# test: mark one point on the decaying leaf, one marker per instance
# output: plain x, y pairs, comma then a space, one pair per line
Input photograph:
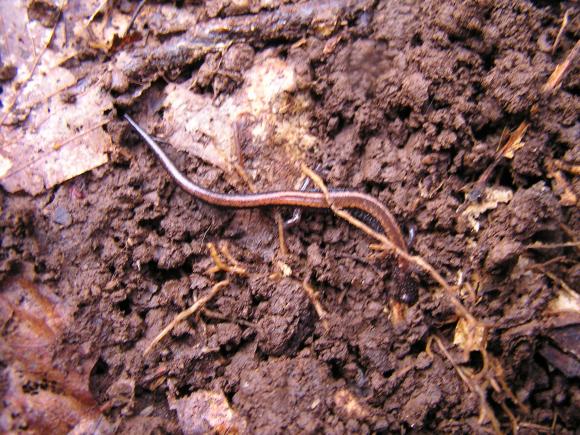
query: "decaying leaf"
262, 106
102, 34
491, 198
470, 336
42, 395
207, 412
514, 142
58, 141
562, 347
560, 185
45, 139
346, 402
568, 364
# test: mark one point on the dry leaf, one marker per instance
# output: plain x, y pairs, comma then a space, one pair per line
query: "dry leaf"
59, 141
102, 34
209, 131
24, 45
514, 142
45, 141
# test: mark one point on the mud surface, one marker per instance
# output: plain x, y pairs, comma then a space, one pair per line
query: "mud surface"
407, 101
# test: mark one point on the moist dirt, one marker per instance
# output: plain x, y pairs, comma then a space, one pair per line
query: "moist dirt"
407, 101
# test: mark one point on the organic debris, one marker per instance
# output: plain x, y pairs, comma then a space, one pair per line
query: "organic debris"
46, 384
491, 198
206, 412
561, 70
409, 102
62, 137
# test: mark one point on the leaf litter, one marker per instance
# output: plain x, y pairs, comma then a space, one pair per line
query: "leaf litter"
64, 137
363, 367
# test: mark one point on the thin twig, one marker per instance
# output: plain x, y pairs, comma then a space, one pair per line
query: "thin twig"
542, 266
186, 313
485, 409
560, 282
561, 31
419, 261
536, 427
281, 236
136, 13
569, 231
539, 245
561, 70
312, 295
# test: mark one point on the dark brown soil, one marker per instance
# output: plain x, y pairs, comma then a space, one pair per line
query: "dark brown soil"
410, 102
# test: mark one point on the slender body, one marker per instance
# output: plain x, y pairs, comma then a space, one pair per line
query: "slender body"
405, 286
341, 199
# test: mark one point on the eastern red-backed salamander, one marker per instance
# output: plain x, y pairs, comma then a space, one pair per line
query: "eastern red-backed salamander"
407, 291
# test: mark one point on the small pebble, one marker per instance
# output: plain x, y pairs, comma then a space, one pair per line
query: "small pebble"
62, 216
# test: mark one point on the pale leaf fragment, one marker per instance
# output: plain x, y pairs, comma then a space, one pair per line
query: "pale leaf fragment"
59, 142
345, 401
492, 197
268, 98
5, 165
514, 142
470, 336
206, 412
285, 269
565, 301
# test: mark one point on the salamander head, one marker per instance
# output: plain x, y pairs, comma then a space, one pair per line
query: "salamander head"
404, 285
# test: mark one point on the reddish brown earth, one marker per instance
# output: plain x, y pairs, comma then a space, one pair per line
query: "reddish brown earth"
411, 100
